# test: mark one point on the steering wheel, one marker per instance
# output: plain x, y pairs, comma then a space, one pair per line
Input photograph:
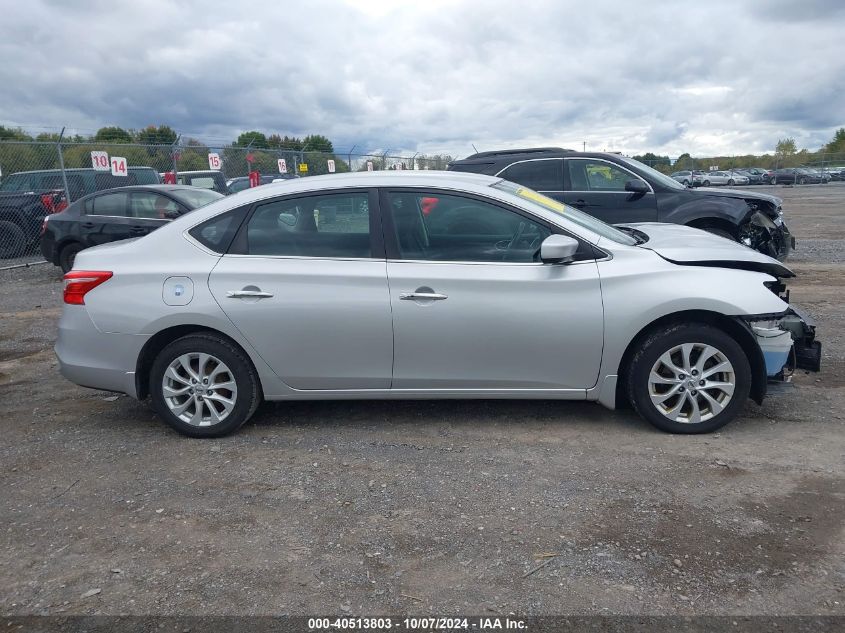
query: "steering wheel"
514, 240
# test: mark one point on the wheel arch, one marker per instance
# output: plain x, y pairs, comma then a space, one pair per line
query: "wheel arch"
163, 338
734, 327
714, 223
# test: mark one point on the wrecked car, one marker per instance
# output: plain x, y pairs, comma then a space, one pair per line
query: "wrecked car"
616, 189
449, 286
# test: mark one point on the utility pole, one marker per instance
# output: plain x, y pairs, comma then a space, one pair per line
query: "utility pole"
62, 165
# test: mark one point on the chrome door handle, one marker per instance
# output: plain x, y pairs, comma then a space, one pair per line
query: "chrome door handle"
255, 294
430, 296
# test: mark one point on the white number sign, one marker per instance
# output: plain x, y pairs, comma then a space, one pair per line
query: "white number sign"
100, 161
330, 164
283, 166
369, 165
118, 166
213, 161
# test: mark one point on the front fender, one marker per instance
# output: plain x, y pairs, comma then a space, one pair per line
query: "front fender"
732, 210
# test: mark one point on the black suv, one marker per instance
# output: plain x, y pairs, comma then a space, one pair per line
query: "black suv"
618, 189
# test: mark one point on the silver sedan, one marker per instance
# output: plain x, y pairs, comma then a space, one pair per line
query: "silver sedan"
426, 285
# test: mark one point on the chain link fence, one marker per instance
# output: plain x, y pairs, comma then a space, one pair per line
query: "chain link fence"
38, 178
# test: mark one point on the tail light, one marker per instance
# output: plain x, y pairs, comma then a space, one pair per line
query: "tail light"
79, 282
44, 225
54, 202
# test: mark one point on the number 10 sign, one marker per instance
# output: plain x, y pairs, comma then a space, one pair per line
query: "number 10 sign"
100, 161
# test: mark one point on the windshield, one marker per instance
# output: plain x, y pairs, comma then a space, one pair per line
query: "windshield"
598, 227
652, 173
194, 198
15, 182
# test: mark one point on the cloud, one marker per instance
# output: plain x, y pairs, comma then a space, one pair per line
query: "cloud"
434, 76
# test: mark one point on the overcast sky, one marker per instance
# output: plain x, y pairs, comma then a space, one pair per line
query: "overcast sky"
706, 77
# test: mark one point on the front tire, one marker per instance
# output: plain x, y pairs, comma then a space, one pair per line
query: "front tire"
202, 385
689, 378
731, 183
706, 183
802, 181
773, 181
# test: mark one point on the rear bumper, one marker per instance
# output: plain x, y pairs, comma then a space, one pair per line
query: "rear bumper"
95, 359
48, 248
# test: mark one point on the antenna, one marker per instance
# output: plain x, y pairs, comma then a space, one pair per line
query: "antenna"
474, 147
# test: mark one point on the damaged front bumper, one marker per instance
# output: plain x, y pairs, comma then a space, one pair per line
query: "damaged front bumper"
787, 341
768, 236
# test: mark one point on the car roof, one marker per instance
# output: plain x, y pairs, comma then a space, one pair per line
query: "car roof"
131, 188
204, 172
75, 169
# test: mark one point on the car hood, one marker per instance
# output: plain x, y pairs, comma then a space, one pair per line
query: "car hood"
734, 193
695, 247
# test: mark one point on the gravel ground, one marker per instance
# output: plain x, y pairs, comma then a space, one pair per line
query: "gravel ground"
424, 507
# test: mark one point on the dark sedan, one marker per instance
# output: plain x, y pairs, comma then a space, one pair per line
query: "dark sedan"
116, 214
794, 176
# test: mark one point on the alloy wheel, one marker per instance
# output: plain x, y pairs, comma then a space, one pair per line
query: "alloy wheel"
199, 389
691, 383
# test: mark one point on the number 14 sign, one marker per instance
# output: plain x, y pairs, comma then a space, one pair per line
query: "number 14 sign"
118, 166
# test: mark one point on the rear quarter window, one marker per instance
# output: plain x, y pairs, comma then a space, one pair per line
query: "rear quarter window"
217, 233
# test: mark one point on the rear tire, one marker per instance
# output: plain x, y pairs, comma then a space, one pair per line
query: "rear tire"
706, 183
67, 256
773, 181
202, 385
12, 240
731, 183
666, 375
802, 181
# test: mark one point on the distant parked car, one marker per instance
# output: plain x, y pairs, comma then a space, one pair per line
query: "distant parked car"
739, 177
765, 174
204, 179
794, 176
688, 178
80, 182
234, 185
116, 214
753, 179
723, 178
823, 176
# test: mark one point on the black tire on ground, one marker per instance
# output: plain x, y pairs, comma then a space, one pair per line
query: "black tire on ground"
67, 256
731, 182
248, 395
773, 181
12, 240
706, 183
661, 341
802, 181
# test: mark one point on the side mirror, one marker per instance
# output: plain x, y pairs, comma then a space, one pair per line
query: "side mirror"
636, 186
287, 218
558, 249
171, 215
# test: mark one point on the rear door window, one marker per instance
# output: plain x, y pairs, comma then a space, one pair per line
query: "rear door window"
539, 175
152, 206
332, 225
110, 204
